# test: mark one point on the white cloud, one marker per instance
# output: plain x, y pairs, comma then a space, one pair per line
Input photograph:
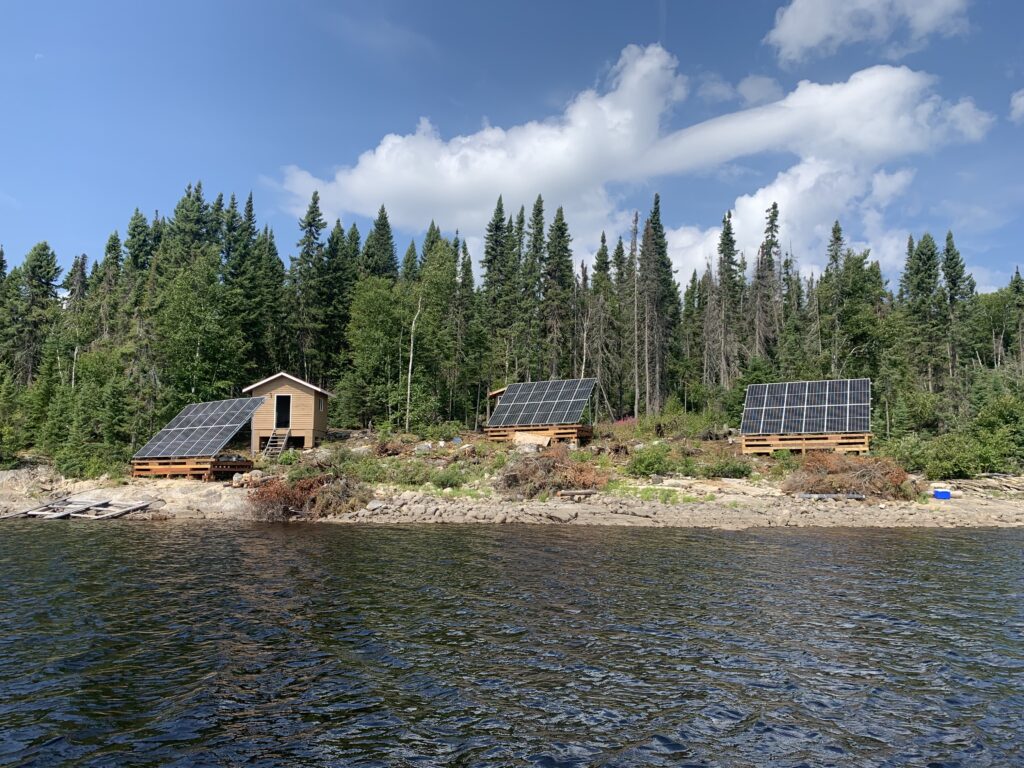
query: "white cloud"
807, 27
758, 89
714, 89
841, 136
1017, 106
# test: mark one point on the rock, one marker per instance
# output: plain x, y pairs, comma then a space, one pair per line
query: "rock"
656, 479
374, 504
446, 492
423, 448
562, 515
362, 450
527, 448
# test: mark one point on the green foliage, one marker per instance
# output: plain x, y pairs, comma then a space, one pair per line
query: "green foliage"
650, 460
289, 457
196, 305
954, 456
727, 466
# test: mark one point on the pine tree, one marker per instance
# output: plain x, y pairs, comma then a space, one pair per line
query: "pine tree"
410, 263
556, 295
307, 278
766, 291
958, 290
729, 295
530, 292
36, 309
923, 303
379, 257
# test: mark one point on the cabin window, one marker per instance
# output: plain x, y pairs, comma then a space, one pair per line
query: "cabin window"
321, 405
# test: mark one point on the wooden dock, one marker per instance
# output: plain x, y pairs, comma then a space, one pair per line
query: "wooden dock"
843, 442
82, 509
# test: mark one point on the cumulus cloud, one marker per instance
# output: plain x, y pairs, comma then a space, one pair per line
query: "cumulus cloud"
714, 89
759, 89
806, 27
842, 136
1017, 106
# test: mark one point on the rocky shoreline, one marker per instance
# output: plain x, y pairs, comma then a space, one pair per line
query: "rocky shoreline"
724, 504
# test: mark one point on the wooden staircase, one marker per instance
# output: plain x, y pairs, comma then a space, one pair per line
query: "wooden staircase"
276, 443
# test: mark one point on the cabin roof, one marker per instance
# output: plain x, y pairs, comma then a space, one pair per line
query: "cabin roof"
497, 392
295, 379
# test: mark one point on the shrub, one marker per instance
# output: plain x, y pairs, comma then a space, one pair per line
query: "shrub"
954, 456
446, 430
650, 460
449, 477
910, 452
288, 458
727, 466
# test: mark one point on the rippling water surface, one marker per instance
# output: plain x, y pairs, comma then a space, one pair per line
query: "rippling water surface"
194, 644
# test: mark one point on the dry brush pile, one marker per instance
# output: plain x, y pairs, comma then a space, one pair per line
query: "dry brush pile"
553, 470
839, 473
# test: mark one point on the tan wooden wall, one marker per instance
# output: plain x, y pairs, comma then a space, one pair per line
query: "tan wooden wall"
308, 420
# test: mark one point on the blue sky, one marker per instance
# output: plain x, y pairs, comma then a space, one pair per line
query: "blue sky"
894, 116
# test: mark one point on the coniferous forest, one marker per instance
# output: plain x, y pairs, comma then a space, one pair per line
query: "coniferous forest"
199, 304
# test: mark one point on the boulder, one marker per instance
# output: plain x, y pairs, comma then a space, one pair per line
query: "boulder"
562, 515
374, 504
362, 450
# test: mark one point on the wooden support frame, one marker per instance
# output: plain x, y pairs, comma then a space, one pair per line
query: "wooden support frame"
857, 442
195, 468
557, 432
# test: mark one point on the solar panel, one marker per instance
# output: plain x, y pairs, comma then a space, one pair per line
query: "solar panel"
200, 429
539, 403
807, 407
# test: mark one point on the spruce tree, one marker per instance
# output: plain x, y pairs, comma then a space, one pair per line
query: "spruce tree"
958, 289
307, 280
556, 296
379, 257
410, 263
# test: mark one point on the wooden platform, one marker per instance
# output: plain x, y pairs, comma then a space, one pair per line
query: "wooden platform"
557, 432
859, 442
85, 509
201, 468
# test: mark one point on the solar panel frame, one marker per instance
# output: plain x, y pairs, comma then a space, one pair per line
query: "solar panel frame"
807, 407
200, 429
542, 403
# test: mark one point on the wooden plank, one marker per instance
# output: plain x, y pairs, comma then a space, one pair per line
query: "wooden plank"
116, 512
838, 442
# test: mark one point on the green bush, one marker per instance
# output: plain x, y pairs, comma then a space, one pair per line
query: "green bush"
954, 456
910, 452
409, 473
288, 458
446, 430
650, 460
449, 477
727, 466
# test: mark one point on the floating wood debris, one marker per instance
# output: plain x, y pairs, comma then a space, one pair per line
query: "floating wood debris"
83, 509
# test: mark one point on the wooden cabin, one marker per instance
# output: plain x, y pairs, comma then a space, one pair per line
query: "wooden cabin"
294, 414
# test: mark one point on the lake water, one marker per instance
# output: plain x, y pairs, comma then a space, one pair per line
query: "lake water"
198, 644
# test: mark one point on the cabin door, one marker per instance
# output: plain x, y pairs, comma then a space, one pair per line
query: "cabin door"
283, 412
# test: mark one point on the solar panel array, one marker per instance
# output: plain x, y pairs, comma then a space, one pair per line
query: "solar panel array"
807, 407
538, 403
201, 429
